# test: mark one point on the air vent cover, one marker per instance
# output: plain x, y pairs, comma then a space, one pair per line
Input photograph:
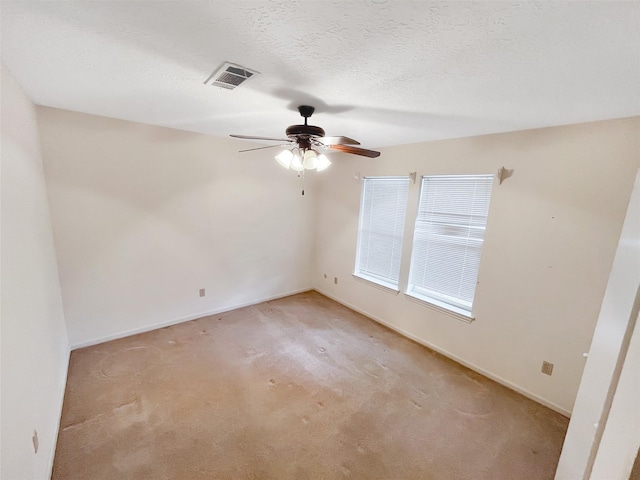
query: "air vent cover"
230, 76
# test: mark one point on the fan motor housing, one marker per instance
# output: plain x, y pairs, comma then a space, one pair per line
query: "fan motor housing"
310, 130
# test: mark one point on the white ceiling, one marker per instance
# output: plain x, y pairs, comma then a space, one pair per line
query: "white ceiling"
384, 72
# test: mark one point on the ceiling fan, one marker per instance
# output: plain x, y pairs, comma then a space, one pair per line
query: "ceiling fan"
306, 144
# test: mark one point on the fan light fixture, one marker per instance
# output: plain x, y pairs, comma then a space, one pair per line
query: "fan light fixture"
304, 140
310, 160
302, 143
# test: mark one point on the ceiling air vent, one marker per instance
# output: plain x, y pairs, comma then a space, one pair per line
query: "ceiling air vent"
230, 76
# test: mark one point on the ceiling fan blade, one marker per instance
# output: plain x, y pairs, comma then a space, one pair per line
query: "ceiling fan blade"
249, 137
259, 148
339, 140
355, 150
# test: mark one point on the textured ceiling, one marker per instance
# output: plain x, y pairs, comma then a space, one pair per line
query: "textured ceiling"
384, 72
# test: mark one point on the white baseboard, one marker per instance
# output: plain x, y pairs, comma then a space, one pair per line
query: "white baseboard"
453, 357
155, 326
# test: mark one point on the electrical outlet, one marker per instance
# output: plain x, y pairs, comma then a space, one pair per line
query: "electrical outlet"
36, 442
547, 368
202, 293
335, 280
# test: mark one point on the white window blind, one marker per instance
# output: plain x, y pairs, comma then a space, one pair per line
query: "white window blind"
448, 238
381, 229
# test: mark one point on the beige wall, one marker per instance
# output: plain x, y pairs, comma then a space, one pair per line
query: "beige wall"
34, 345
551, 236
145, 216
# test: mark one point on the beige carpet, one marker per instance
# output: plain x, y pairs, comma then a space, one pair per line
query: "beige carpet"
297, 388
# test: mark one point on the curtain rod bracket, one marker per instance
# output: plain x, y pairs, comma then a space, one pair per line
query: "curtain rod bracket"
502, 174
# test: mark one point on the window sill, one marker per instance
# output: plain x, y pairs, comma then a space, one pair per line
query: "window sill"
442, 307
387, 288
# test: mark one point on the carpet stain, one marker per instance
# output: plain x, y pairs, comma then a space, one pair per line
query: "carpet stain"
464, 395
129, 361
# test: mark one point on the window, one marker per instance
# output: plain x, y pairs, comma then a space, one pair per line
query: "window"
381, 229
448, 238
